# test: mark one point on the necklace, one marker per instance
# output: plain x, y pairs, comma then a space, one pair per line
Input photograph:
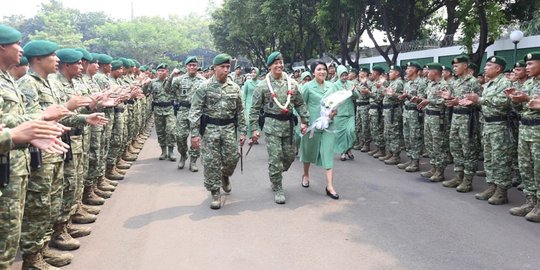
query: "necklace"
284, 109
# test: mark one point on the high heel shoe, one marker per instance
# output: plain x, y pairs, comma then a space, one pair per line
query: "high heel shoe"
333, 196
350, 156
307, 183
343, 157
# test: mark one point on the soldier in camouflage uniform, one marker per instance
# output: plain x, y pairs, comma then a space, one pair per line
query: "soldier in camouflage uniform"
463, 135
238, 77
529, 139
376, 127
435, 123
163, 113
392, 114
520, 77
278, 95
412, 122
216, 118
182, 88
362, 112
496, 136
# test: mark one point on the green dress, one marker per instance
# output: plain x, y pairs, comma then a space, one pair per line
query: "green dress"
344, 121
247, 99
319, 148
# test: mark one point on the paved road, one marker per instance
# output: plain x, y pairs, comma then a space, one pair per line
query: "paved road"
386, 219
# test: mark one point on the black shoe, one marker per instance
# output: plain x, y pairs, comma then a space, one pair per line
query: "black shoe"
333, 196
343, 157
306, 185
350, 156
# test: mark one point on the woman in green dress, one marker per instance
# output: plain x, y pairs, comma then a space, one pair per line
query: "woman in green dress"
317, 147
247, 94
344, 122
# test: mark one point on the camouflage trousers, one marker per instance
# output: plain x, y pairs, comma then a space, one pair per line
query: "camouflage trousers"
73, 184
434, 136
376, 127
463, 145
281, 155
392, 129
165, 129
95, 156
497, 154
11, 213
362, 124
42, 206
412, 134
182, 134
220, 156
529, 166
116, 140
105, 145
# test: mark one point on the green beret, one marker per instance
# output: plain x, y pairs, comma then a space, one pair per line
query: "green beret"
105, 59
341, 69
69, 56
460, 59
378, 69
446, 68
221, 58
366, 70
305, 74
273, 57
532, 56
162, 66
36, 48
116, 64
473, 66
86, 55
153, 71
24, 61
354, 70
414, 64
137, 63
395, 67
9, 35
238, 67
131, 63
95, 58
143, 68
498, 60
435, 66
125, 62
520, 63
190, 59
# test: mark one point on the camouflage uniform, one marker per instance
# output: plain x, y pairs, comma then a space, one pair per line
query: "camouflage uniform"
118, 136
183, 89
219, 145
412, 122
376, 123
163, 112
362, 115
103, 82
435, 125
392, 113
278, 136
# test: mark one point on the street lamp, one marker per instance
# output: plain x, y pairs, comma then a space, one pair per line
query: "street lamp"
516, 37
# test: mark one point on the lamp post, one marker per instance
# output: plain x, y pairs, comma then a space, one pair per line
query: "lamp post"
516, 37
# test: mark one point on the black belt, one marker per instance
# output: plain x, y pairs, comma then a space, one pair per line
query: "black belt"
430, 112
162, 104
462, 111
372, 106
390, 106
220, 122
411, 108
530, 122
362, 103
76, 132
118, 110
492, 119
184, 104
130, 101
280, 117
293, 121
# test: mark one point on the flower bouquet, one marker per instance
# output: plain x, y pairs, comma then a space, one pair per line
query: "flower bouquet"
328, 104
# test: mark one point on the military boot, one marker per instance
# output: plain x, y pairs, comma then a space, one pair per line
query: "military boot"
279, 194
101, 193
55, 258
499, 197
36, 261
82, 217
193, 164
102, 184
381, 152
454, 182
90, 198
534, 215
77, 231
119, 171
405, 164
172, 157
414, 166
112, 174
61, 239
94, 210
357, 146
110, 182
226, 184
466, 184
372, 152
122, 164
134, 150
486, 194
216, 200
182, 162
365, 148
428, 174
385, 157
438, 176
523, 210
394, 160
130, 157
